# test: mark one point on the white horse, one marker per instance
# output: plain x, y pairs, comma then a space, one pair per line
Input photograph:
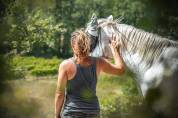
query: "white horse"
153, 59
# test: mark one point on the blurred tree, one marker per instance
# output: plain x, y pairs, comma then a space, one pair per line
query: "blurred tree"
32, 29
4, 59
166, 17
38, 26
63, 11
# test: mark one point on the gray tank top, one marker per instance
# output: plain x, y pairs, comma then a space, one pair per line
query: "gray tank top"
81, 91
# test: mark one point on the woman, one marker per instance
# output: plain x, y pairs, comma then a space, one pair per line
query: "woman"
78, 77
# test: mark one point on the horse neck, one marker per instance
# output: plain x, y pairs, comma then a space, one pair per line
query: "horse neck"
139, 48
133, 62
174, 43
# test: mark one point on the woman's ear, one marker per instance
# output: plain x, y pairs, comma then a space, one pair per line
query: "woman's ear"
110, 18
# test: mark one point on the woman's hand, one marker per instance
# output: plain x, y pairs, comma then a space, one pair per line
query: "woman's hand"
118, 67
113, 43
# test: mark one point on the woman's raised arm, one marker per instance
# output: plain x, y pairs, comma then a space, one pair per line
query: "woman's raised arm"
118, 67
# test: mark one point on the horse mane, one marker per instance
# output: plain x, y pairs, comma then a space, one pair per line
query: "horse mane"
148, 45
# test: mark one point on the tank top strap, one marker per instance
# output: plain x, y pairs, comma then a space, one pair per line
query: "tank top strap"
94, 59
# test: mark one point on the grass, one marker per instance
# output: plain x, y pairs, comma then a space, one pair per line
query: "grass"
115, 97
29, 99
32, 66
34, 98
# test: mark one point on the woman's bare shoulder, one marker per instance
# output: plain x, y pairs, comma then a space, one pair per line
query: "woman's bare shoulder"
67, 63
69, 67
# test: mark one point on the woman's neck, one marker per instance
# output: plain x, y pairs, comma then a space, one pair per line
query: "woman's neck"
83, 60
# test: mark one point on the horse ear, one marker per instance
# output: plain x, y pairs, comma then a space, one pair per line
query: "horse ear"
110, 18
93, 16
92, 26
94, 19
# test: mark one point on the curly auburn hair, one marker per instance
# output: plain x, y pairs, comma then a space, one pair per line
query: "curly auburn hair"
80, 43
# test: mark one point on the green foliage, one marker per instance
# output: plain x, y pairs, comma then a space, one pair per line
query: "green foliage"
43, 28
32, 31
44, 72
32, 66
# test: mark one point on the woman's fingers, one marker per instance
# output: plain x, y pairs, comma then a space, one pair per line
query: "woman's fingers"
114, 37
114, 41
111, 39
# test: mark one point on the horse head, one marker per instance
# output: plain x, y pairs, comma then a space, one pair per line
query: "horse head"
100, 32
